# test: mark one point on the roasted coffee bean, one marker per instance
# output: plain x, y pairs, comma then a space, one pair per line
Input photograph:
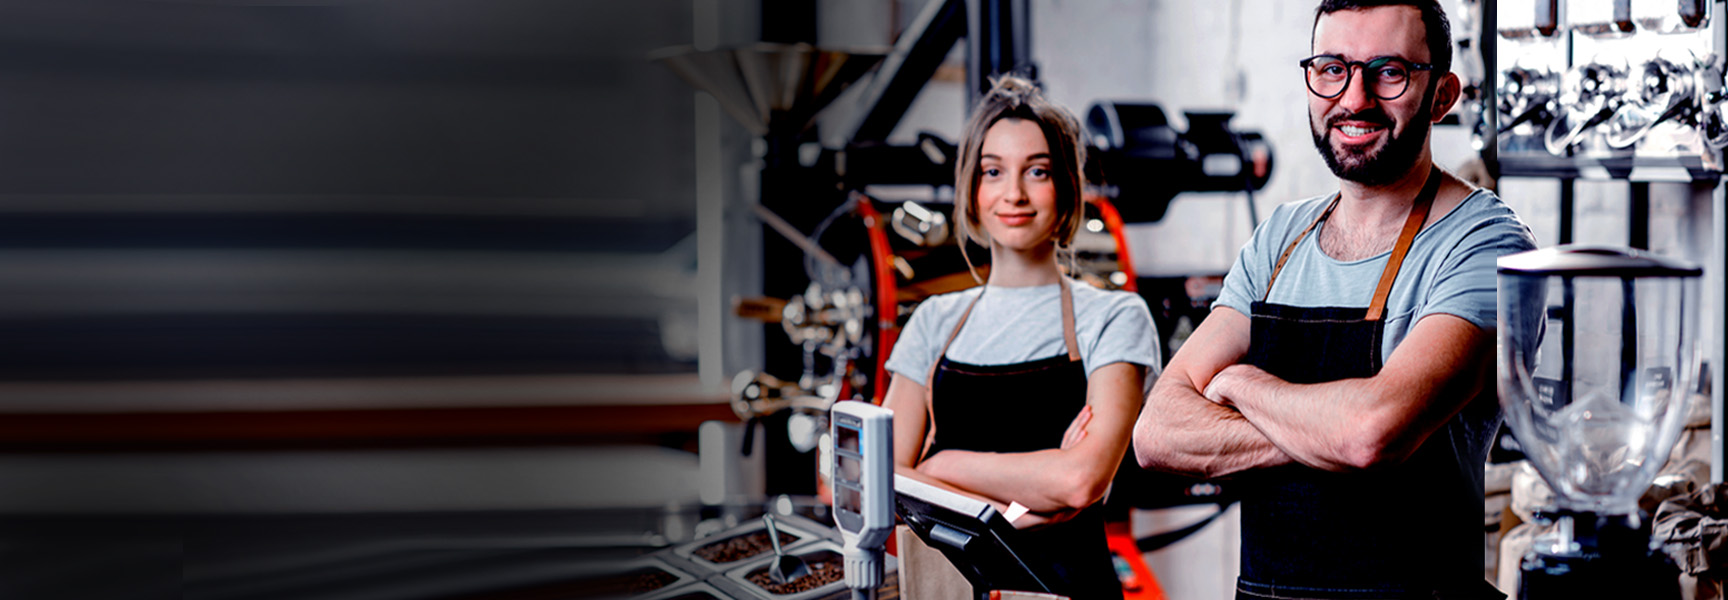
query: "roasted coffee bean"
738, 548
825, 568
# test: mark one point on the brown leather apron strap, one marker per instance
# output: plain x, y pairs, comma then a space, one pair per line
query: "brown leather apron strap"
1292, 247
930, 380
1412, 226
1069, 338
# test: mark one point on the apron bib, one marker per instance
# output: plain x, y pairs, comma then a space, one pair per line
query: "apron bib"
1405, 531
1024, 407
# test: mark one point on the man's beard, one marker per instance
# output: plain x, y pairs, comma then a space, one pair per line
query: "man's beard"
1375, 166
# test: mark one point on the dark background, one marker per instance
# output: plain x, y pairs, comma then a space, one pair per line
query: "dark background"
149, 148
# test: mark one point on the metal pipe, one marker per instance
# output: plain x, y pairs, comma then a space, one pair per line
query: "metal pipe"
915, 58
1638, 216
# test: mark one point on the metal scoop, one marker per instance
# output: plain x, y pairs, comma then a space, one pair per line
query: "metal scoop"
786, 568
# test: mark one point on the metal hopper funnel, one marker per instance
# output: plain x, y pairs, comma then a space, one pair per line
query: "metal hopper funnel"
770, 88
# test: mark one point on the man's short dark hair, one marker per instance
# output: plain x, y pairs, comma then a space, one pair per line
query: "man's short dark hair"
1436, 27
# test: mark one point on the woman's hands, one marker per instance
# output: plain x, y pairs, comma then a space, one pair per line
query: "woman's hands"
1077, 428
1072, 437
1075, 434
1054, 483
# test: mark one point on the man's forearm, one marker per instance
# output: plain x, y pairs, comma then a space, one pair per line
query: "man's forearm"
1182, 432
1315, 424
1362, 423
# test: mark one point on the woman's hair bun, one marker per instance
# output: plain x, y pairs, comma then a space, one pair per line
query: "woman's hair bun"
1015, 89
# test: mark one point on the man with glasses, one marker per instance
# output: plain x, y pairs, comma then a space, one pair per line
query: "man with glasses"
1343, 376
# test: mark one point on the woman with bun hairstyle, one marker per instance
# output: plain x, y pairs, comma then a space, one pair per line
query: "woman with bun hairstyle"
1024, 390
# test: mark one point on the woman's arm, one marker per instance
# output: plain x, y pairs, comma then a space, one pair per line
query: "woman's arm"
907, 399
1062, 479
911, 411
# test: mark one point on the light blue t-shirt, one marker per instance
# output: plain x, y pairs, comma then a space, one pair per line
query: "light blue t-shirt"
1020, 324
1448, 270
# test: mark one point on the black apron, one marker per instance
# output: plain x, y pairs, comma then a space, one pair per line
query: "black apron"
1413, 530
1025, 407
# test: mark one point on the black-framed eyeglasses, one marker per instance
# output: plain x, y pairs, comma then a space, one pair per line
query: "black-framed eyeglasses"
1387, 77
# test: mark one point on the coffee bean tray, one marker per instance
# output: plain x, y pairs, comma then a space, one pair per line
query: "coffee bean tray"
749, 541
825, 579
647, 575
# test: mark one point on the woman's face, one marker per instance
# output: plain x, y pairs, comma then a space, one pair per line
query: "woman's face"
1016, 193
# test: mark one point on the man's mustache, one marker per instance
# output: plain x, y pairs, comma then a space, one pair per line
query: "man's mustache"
1373, 116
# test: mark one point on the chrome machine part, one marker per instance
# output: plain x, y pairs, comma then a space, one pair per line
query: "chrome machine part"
1527, 96
1589, 95
1712, 97
1663, 89
919, 225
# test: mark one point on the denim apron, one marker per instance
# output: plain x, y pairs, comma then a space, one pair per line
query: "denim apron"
1413, 530
1025, 407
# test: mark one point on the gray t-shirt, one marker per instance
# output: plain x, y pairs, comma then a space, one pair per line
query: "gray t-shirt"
1449, 269
1020, 324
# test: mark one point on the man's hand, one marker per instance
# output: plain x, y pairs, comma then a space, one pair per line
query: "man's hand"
1228, 383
